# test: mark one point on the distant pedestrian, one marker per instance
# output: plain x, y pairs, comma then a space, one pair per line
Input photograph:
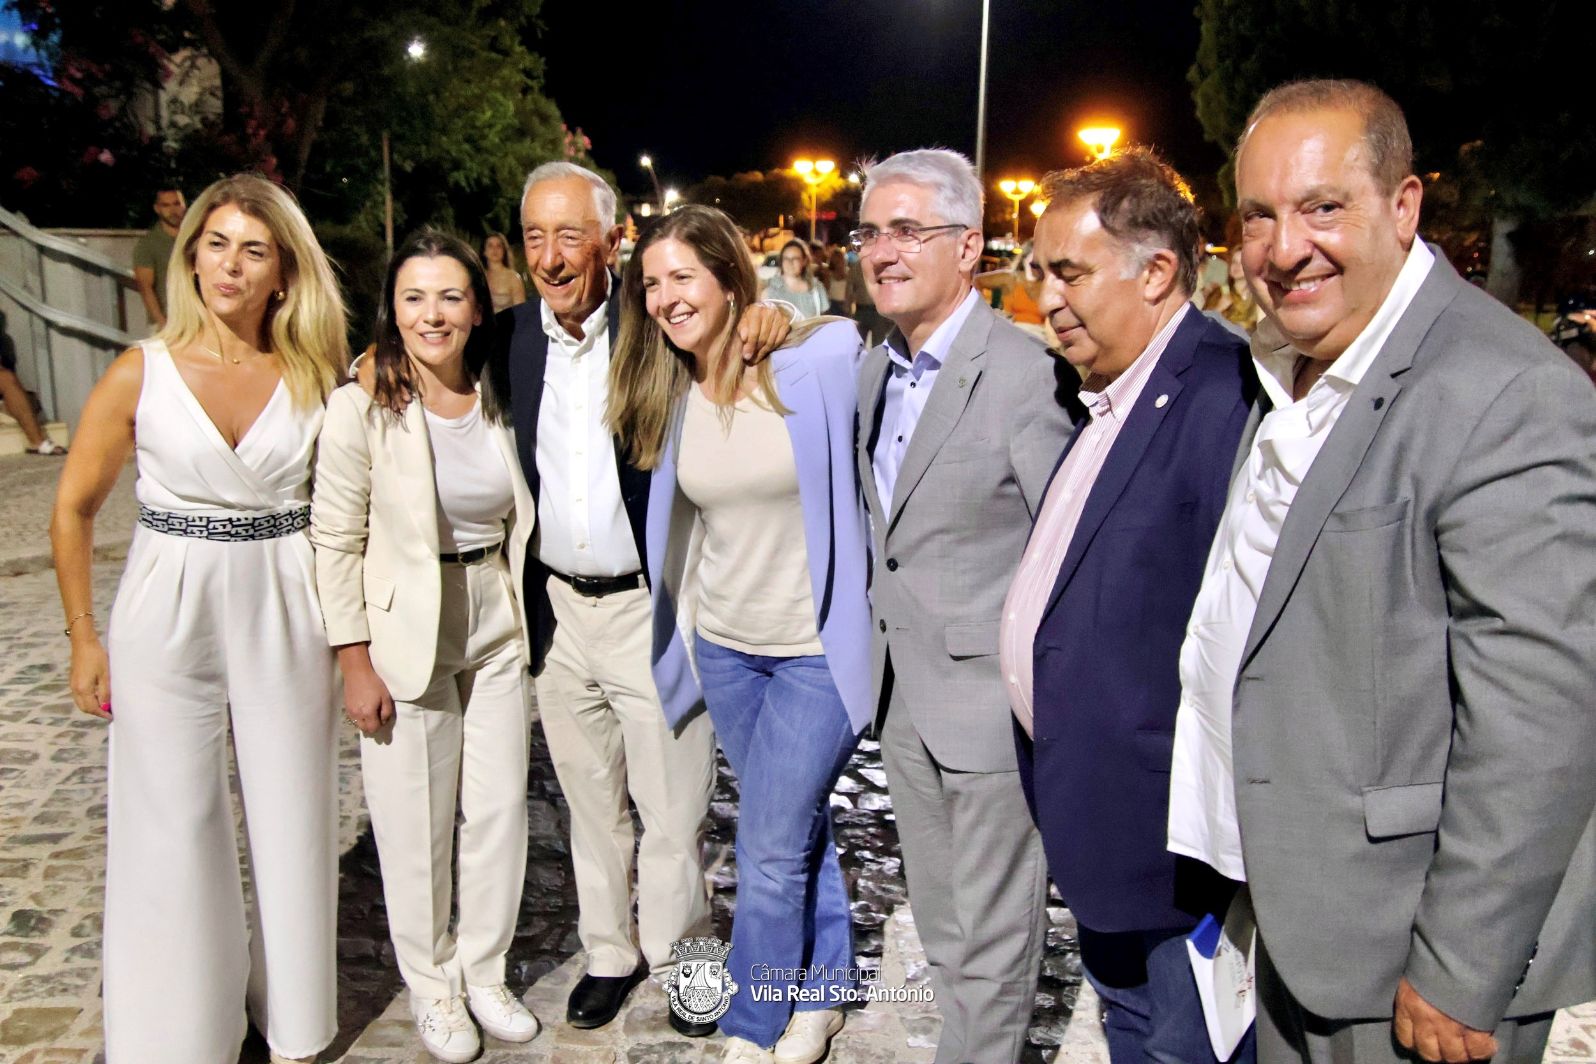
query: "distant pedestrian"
797, 282
153, 253
504, 280
18, 401
215, 628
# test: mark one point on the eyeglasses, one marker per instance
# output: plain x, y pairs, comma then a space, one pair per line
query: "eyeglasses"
904, 237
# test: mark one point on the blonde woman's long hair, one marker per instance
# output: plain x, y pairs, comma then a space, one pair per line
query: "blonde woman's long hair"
648, 374
306, 329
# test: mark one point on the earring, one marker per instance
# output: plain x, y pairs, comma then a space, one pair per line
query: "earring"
280, 294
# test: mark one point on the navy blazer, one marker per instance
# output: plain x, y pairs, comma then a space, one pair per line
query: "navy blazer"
517, 372
1106, 656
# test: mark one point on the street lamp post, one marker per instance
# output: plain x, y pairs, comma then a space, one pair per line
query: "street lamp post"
646, 161
813, 171
1016, 189
1100, 139
980, 99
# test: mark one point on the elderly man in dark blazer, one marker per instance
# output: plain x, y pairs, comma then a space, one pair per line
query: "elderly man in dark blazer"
1386, 726
1094, 621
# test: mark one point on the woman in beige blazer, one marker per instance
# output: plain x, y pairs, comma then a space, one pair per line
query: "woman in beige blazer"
420, 521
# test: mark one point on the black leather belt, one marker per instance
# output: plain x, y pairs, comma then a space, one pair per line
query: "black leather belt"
470, 557
599, 586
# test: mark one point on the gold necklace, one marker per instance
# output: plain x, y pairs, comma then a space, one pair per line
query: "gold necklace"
234, 359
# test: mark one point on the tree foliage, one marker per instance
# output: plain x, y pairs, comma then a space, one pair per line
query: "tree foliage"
308, 91
1486, 73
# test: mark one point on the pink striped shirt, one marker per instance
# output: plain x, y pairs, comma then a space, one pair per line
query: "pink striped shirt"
1061, 512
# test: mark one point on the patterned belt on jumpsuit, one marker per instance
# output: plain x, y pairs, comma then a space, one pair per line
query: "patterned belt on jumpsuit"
226, 529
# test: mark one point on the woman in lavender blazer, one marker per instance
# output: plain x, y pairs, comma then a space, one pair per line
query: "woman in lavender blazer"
757, 561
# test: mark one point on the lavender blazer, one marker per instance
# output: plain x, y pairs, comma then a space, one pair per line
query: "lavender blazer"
817, 382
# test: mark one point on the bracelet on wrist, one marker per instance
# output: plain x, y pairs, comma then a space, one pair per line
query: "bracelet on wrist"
67, 631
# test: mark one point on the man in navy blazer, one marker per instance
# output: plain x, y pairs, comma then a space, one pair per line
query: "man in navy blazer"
1094, 621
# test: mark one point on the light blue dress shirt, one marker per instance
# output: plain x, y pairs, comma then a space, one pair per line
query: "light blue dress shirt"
909, 384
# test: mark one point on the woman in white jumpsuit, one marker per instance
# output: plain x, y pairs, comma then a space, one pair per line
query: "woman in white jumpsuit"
215, 626
420, 523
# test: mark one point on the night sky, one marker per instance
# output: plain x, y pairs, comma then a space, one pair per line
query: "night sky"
721, 86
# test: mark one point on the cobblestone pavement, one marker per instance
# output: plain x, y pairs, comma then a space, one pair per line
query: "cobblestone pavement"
52, 818
52, 828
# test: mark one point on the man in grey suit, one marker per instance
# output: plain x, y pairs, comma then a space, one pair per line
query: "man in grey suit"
1390, 664
960, 424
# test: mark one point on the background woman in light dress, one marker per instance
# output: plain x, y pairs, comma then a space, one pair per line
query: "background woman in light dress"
420, 521
504, 280
215, 627
797, 282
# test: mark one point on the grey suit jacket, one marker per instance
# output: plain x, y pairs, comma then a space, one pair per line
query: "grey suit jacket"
970, 484
1415, 714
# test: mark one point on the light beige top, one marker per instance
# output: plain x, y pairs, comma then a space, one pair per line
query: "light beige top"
754, 572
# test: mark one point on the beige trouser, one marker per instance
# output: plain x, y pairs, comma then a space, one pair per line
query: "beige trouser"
466, 738
608, 737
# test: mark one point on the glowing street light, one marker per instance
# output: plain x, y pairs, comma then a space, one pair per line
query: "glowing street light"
671, 196
416, 49
1100, 139
813, 171
1038, 208
1016, 189
646, 161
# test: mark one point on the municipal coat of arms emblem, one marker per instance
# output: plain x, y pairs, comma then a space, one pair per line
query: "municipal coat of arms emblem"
700, 989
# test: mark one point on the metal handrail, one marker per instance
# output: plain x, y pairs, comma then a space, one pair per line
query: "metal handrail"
41, 239
65, 320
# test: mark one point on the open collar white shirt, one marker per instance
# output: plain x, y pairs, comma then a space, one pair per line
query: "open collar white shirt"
1202, 795
582, 526
909, 384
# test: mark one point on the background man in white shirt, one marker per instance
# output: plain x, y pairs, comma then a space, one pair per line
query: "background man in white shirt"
1396, 632
588, 608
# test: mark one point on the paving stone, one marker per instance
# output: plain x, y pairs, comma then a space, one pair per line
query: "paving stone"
29, 1026
30, 923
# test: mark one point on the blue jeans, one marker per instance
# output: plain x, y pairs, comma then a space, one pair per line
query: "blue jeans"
1152, 1014
787, 736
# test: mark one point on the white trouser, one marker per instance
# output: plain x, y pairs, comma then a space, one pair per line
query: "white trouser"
204, 635
608, 737
465, 739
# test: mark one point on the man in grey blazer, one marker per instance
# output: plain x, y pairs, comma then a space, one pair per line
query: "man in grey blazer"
1396, 633
961, 421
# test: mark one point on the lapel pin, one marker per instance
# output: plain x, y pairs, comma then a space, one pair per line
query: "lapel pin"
1161, 402
1379, 402
961, 382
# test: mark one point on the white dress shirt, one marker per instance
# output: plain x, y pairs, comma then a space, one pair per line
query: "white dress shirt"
909, 384
1202, 789
582, 527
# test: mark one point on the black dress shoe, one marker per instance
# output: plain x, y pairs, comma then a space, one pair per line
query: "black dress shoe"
597, 998
689, 1028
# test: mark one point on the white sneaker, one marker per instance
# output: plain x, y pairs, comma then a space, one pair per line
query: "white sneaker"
742, 1051
445, 1029
501, 1014
808, 1036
